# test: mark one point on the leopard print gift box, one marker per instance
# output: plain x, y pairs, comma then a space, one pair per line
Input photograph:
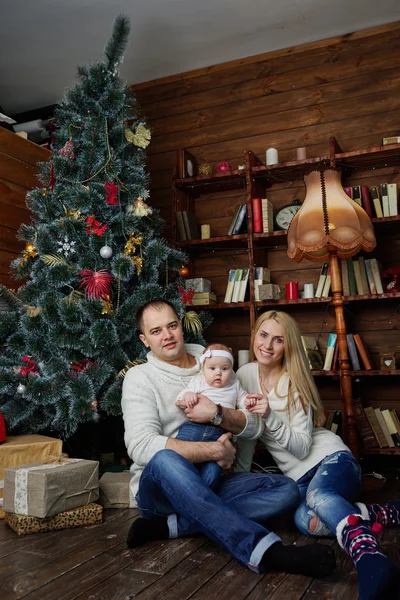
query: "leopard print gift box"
89, 514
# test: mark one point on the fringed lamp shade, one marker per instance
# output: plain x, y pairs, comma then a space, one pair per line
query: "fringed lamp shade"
328, 221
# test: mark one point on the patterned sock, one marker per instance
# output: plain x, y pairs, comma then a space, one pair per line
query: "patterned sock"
378, 577
381, 515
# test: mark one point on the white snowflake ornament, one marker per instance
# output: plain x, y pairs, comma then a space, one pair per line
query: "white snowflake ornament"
66, 247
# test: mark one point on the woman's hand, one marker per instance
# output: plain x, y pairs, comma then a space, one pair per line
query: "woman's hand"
256, 403
202, 412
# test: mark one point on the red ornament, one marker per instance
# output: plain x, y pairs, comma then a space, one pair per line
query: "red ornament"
52, 179
223, 167
2, 429
186, 295
94, 227
112, 192
97, 283
80, 366
184, 272
31, 367
67, 151
393, 273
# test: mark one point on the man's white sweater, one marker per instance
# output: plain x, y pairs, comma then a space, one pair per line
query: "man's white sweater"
150, 416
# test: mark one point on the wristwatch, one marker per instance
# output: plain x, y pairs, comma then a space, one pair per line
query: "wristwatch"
218, 417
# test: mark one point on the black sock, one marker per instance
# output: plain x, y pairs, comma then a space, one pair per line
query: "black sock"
145, 530
313, 560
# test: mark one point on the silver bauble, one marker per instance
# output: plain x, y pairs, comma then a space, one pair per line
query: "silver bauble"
106, 252
21, 389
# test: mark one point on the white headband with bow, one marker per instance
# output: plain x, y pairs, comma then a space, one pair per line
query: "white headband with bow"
209, 353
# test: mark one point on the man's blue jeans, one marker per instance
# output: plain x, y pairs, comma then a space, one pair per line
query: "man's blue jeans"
232, 515
328, 491
203, 432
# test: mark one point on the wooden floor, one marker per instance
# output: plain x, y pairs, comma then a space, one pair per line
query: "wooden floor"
94, 563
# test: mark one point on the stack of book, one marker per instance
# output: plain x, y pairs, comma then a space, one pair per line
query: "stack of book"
324, 282
361, 276
379, 201
237, 285
238, 222
377, 427
263, 221
359, 356
187, 226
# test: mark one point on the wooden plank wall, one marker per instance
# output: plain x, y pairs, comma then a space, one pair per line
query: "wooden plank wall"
18, 159
348, 86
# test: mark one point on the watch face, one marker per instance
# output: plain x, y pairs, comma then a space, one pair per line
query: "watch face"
285, 215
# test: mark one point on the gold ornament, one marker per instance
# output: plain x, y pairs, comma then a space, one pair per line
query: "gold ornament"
140, 208
205, 169
141, 137
108, 308
74, 214
184, 272
29, 252
138, 260
95, 405
130, 246
192, 323
86, 188
32, 311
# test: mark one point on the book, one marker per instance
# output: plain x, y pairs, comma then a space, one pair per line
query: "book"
336, 425
321, 280
257, 215
395, 420
357, 275
355, 363
374, 191
335, 360
377, 275
392, 194
363, 351
357, 194
352, 279
366, 201
191, 227
267, 215
391, 427
363, 274
261, 275
363, 425
230, 285
385, 200
370, 276
349, 191
329, 419
243, 285
314, 356
233, 219
180, 226
327, 285
236, 287
391, 140
382, 423
345, 277
376, 428
241, 221
330, 350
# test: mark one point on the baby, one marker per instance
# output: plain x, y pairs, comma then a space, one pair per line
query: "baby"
217, 381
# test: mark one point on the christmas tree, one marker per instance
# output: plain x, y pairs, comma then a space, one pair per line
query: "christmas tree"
93, 256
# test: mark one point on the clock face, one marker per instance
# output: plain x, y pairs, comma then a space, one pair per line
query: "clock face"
285, 215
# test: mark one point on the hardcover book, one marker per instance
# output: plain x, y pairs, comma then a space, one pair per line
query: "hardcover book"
366, 201
330, 350
321, 280
385, 200
352, 279
236, 287
382, 423
241, 222
370, 276
345, 277
310, 346
180, 226
355, 363
363, 275
376, 428
363, 425
392, 194
357, 194
234, 217
363, 351
374, 191
391, 427
191, 227
257, 215
230, 285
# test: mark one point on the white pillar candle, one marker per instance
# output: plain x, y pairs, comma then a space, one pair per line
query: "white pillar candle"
301, 153
271, 156
308, 290
243, 357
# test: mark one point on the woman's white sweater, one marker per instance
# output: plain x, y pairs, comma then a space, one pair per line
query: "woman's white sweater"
150, 416
293, 442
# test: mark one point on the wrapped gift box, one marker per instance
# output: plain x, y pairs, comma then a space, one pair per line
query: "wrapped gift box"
198, 284
90, 514
24, 449
46, 489
115, 490
269, 291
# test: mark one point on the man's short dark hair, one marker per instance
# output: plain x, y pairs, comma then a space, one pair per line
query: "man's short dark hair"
158, 304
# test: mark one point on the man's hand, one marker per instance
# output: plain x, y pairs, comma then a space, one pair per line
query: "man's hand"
202, 412
228, 452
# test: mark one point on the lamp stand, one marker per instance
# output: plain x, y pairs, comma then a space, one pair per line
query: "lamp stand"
345, 379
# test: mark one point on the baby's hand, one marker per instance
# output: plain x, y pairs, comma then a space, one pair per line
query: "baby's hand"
255, 403
190, 398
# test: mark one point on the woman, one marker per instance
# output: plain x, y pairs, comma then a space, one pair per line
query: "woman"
328, 475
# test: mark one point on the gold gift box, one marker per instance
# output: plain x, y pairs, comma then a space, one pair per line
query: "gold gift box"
90, 514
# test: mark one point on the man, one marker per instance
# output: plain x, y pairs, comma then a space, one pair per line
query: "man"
171, 496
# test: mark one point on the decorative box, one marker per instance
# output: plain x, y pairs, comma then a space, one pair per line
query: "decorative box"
198, 284
90, 514
269, 291
46, 489
24, 449
115, 490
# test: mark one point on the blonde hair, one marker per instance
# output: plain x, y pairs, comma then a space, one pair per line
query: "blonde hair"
295, 364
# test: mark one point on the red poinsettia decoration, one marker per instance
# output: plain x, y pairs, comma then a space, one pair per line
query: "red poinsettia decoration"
67, 151
393, 274
52, 178
94, 227
2, 429
97, 283
112, 192
30, 367
186, 295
